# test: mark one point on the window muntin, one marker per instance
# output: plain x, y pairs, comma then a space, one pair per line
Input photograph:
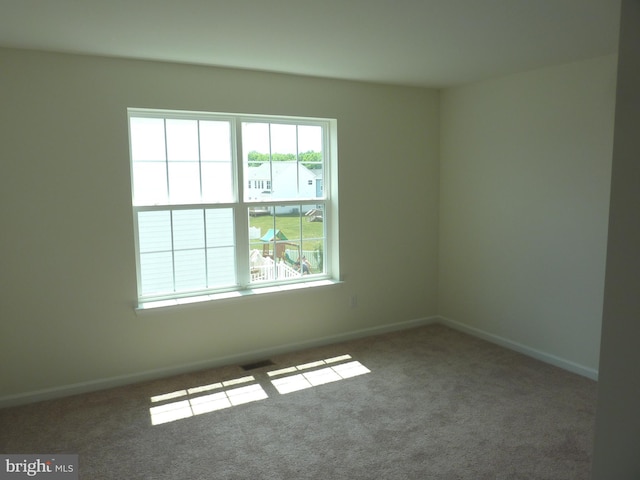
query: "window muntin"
194, 182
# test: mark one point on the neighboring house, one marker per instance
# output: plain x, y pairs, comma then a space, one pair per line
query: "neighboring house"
274, 180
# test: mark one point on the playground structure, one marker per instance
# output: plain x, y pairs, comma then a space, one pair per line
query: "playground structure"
275, 245
275, 260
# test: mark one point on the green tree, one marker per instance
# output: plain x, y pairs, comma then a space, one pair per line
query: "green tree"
311, 160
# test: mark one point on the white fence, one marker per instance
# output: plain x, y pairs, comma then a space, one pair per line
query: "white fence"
271, 271
263, 268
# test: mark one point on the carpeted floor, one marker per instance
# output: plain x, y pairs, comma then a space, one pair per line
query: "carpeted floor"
426, 403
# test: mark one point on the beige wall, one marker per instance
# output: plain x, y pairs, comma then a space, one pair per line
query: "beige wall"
516, 239
67, 276
617, 420
525, 171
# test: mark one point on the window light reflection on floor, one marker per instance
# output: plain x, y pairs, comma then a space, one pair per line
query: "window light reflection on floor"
295, 378
217, 396
198, 405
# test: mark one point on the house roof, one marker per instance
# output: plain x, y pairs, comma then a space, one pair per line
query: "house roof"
266, 171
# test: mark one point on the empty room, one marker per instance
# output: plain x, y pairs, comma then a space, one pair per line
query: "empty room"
342, 239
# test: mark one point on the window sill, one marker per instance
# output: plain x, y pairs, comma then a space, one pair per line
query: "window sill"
164, 305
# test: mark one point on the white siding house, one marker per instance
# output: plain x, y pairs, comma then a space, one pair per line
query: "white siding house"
277, 180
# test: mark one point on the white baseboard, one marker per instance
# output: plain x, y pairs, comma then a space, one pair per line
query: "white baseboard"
246, 357
118, 381
518, 347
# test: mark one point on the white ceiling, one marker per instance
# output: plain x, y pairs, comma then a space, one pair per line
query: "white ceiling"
409, 42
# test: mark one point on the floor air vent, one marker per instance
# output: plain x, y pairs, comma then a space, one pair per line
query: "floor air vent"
260, 364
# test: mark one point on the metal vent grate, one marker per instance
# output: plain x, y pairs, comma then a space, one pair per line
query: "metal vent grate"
260, 364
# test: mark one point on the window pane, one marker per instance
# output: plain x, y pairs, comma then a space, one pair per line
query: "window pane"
255, 138
261, 259
190, 270
156, 273
256, 148
182, 140
221, 263
188, 229
283, 142
313, 238
154, 231
220, 231
311, 158
215, 141
284, 180
287, 242
149, 183
309, 138
217, 182
184, 182
221, 266
147, 139
216, 167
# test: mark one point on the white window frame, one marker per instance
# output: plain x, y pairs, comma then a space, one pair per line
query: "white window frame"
241, 206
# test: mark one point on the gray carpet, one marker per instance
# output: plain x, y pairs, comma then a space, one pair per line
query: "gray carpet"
436, 404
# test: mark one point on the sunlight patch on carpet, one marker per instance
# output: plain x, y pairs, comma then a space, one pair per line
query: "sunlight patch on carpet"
189, 402
196, 405
292, 379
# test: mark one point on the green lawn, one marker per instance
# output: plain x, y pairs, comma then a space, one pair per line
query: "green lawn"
289, 225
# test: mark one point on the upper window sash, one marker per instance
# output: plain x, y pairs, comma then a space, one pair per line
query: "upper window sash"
182, 160
178, 158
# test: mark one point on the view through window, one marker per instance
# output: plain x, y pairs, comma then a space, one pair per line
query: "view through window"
226, 202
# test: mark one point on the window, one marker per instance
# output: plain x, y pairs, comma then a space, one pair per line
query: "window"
198, 231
